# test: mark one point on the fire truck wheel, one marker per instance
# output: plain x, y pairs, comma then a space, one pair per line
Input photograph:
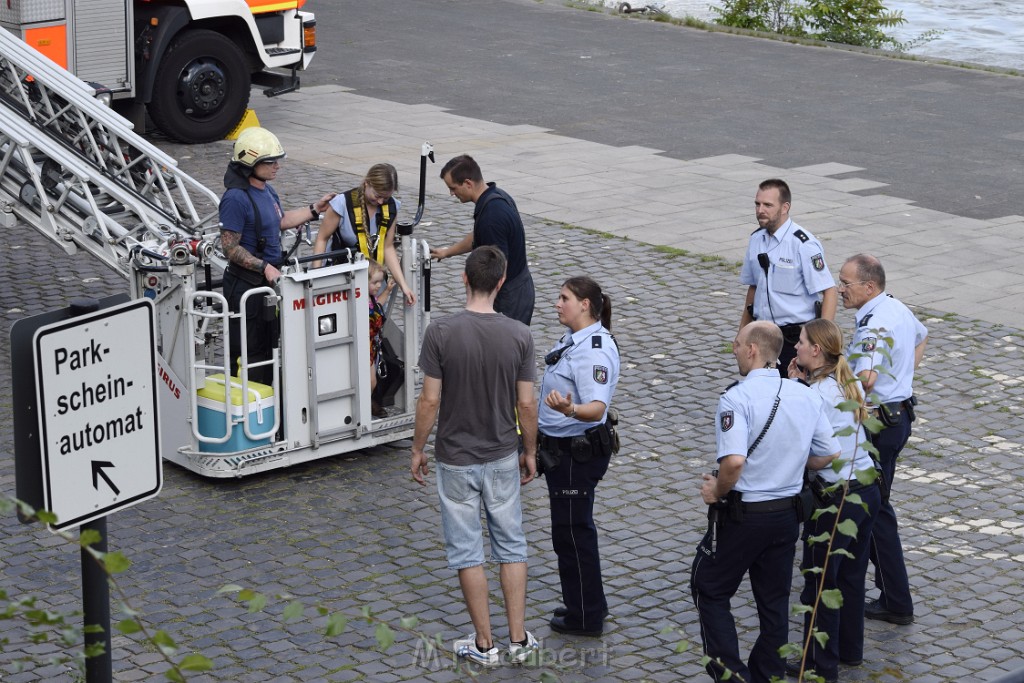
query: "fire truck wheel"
201, 89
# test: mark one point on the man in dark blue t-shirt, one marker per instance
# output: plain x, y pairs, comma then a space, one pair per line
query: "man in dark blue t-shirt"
496, 222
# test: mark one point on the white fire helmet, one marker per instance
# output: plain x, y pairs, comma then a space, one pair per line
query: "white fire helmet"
255, 145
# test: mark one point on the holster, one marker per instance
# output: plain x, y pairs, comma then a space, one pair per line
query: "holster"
547, 460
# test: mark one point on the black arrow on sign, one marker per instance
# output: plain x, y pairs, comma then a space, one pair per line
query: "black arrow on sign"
97, 470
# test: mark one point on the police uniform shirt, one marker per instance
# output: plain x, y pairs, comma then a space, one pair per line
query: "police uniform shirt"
879, 320
236, 215
346, 231
589, 370
800, 427
796, 274
843, 420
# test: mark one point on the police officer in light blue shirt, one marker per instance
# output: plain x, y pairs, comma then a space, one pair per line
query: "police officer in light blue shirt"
886, 349
575, 446
766, 428
785, 270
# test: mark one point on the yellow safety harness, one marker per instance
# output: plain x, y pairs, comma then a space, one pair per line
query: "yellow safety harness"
360, 221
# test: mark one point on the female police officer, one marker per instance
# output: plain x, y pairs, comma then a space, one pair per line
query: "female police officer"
575, 444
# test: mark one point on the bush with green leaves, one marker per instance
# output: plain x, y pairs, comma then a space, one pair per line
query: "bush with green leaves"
852, 22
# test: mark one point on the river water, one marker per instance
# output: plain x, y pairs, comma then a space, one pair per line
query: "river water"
987, 32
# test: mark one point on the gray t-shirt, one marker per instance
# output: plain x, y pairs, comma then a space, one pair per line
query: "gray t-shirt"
478, 357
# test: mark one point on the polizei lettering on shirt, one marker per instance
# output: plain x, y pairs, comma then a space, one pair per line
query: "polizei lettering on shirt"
325, 298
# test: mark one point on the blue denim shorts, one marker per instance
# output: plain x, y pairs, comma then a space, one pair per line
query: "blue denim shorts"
462, 489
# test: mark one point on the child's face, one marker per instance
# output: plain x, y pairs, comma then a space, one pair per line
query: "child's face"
376, 283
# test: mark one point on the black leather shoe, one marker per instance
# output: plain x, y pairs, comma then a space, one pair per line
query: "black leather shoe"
558, 624
874, 610
793, 669
564, 612
851, 662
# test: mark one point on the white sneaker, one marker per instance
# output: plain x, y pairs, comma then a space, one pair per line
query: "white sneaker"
466, 648
520, 654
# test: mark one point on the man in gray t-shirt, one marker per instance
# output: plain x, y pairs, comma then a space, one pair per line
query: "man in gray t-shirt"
485, 363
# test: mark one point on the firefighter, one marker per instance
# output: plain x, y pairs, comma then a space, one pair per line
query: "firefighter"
252, 219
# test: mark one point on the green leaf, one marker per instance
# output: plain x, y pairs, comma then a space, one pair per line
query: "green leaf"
849, 406
229, 588
163, 641
257, 603
246, 594
128, 626
833, 598
847, 527
548, 677
89, 537
46, 517
791, 650
842, 552
866, 477
95, 649
174, 675
294, 610
409, 622
92, 628
682, 646
336, 624
385, 636
116, 562
800, 609
196, 662
873, 424
821, 637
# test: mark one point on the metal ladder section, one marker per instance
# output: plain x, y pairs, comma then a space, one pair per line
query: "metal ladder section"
77, 172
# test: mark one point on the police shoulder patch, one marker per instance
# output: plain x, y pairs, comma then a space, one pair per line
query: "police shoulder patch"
864, 321
595, 342
600, 374
801, 235
731, 386
725, 419
818, 261
869, 344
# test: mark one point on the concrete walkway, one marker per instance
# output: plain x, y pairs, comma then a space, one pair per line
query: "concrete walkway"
705, 206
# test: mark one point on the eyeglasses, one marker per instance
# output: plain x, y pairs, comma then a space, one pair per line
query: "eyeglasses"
556, 355
847, 285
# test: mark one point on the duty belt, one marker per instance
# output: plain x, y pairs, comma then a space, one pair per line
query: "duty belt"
776, 505
554, 443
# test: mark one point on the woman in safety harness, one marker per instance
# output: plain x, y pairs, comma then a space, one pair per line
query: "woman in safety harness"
363, 219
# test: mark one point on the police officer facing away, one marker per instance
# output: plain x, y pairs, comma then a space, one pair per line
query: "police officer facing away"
251, 223
766, 428
885, 351
785, 271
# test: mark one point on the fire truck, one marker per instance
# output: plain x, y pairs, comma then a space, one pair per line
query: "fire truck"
190, 63
77, 173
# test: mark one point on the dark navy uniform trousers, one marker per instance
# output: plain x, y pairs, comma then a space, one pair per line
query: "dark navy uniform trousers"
764, 544
844, 626
886, 548
571, 487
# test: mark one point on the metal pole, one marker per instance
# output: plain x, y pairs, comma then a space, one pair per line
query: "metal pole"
96, 605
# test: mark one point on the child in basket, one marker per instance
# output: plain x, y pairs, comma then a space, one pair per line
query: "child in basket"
379, 292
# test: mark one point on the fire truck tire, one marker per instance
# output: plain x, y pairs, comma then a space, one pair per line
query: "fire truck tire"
201, 89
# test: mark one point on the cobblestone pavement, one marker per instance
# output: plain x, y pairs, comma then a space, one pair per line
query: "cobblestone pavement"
355, 532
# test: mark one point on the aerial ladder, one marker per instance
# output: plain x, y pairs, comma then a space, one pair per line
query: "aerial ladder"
76, 172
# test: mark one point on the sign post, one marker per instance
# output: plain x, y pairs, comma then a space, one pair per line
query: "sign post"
87, 437
97, 398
